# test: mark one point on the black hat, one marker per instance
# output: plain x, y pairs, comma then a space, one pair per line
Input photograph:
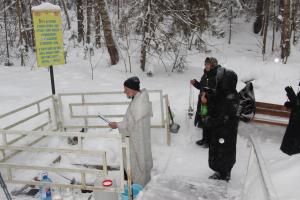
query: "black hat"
133, 83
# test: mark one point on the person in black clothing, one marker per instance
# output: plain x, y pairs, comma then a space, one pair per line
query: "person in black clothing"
222, 101
291, 140
207, 80
224, 120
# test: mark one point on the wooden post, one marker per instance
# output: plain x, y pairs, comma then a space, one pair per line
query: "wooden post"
52, 80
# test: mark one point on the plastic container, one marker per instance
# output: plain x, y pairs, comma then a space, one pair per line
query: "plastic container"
203, 110
105, 195
136, 188
45, 190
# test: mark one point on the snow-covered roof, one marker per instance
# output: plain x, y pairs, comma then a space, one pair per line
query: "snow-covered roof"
46, 7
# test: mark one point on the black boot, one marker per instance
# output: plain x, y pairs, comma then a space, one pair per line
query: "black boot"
215, 176
225, 176
202, 143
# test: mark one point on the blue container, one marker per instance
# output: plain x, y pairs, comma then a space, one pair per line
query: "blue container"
136, 188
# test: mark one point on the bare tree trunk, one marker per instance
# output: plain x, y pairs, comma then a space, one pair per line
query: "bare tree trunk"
274, 24
295, 31
257, 26
89, 9
80, 19
20, 29
230, 18
266, 24
280, 13
263, 17
32, 30
66, 13
127, 46
7, 60
110, 43
145, 34
97, 25
118, 9
293, 20
285, 48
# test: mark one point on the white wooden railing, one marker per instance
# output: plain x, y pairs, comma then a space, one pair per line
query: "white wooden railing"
79, 150
80, 110
39, 115
258, 183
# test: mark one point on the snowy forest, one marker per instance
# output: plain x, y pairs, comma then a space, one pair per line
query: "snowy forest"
159, 29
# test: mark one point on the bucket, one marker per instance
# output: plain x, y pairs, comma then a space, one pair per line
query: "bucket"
136, 188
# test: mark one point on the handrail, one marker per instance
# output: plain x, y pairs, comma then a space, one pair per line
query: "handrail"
268, 188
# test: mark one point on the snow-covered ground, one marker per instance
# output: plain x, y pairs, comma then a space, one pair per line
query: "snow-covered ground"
181, 170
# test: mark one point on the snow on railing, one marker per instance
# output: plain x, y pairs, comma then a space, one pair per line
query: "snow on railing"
62, 151
80, 110
38, 115
258, 183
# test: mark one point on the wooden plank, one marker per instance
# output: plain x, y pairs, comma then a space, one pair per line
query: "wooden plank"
265, 121
270, 109
271, 106
278, 113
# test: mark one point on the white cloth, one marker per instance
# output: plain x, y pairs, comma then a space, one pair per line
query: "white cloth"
136, 125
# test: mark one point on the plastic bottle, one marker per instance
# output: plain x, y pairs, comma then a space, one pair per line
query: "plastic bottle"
203, 109
45, 190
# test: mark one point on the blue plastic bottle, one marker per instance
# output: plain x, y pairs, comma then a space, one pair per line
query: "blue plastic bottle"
45, 191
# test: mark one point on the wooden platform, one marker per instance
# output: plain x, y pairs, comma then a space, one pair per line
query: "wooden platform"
272, 114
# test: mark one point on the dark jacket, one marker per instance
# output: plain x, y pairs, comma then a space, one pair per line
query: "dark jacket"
208, 80
224, 122
291, 140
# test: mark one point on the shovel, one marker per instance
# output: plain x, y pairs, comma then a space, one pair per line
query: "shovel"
173, 126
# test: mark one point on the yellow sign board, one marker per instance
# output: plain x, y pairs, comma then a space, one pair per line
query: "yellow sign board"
48, 38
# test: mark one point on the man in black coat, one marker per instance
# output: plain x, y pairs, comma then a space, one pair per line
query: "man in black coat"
222, 148
208, 80
291, 140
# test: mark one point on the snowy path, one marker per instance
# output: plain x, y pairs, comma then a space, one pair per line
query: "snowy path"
173, 188
181, 171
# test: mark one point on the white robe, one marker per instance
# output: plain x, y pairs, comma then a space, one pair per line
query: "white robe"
136, 125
